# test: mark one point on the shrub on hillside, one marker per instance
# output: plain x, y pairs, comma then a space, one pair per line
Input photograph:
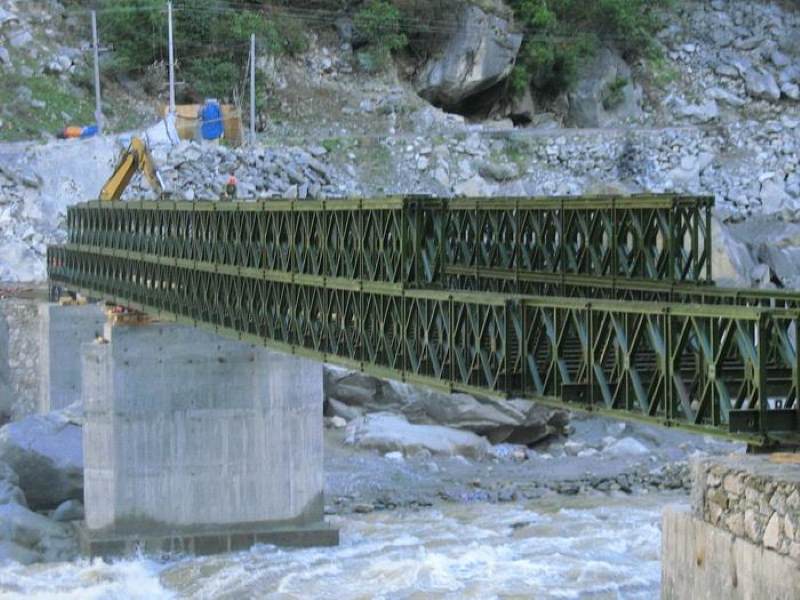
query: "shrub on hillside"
379, 21
211, 40
559, 34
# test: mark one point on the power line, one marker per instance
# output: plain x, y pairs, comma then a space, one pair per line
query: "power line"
407, 23
430, 25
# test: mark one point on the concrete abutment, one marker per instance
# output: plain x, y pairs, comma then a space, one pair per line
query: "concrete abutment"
195, 443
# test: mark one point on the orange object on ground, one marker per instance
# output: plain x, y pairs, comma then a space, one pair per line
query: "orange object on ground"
72, 131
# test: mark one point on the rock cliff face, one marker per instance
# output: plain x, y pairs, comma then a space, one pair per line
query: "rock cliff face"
716, 115
605, 94
480, 53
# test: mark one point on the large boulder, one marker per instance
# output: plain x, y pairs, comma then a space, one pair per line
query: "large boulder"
605, 93
474, 187
760, 83
43, 538
7, 17
461, 410
46, 453
625, 447
71, 510
11, 552
537, 423
10, 493
773, 196
387, 432
784, 262
354, 389
731, 261
700, 113
479, 55
517, 421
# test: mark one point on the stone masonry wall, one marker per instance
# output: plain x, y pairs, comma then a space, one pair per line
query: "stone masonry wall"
756, 498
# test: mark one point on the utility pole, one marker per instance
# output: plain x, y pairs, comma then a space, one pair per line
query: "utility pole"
171, 61
98, 109
252, 88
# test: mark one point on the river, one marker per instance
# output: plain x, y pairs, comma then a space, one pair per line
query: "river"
584, 547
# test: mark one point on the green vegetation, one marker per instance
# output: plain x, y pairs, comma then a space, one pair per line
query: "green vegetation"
379, 22
560, 34
613, 94
23, 118
211, 41
662, 71
518, 151
338, 144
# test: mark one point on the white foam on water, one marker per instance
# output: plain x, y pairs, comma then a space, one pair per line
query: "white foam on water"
132, 579
586, 549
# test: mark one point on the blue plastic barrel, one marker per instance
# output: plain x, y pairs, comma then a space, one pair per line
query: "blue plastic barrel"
211, 127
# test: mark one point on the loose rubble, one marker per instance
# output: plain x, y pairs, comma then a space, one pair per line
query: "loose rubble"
192, 171
599, 457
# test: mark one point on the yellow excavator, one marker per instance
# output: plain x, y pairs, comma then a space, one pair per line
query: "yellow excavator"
135, 159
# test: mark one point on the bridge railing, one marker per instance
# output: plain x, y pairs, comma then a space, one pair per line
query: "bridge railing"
653, 238
386, 242
421, 242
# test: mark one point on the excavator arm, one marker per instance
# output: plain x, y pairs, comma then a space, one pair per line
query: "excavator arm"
136, 158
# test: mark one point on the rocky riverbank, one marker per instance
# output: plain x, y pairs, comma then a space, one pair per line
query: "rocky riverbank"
367, 470
377, 461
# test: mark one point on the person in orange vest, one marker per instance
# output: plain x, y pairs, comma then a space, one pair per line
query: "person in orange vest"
229, 194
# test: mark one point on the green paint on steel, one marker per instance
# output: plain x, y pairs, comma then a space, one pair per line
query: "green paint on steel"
603, 304
419, 242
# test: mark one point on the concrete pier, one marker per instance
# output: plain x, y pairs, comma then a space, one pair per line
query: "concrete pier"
62, 331
199, 444
741, 539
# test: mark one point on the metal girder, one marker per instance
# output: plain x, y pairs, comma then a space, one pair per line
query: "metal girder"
719, 368
635, 289
601, 303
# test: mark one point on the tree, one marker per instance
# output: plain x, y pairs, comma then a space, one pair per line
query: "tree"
211, 40
561, 33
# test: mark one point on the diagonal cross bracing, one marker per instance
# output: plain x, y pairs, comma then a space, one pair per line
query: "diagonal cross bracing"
365, 284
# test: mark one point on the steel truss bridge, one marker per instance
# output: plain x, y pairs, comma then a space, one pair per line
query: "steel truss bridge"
600, 303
